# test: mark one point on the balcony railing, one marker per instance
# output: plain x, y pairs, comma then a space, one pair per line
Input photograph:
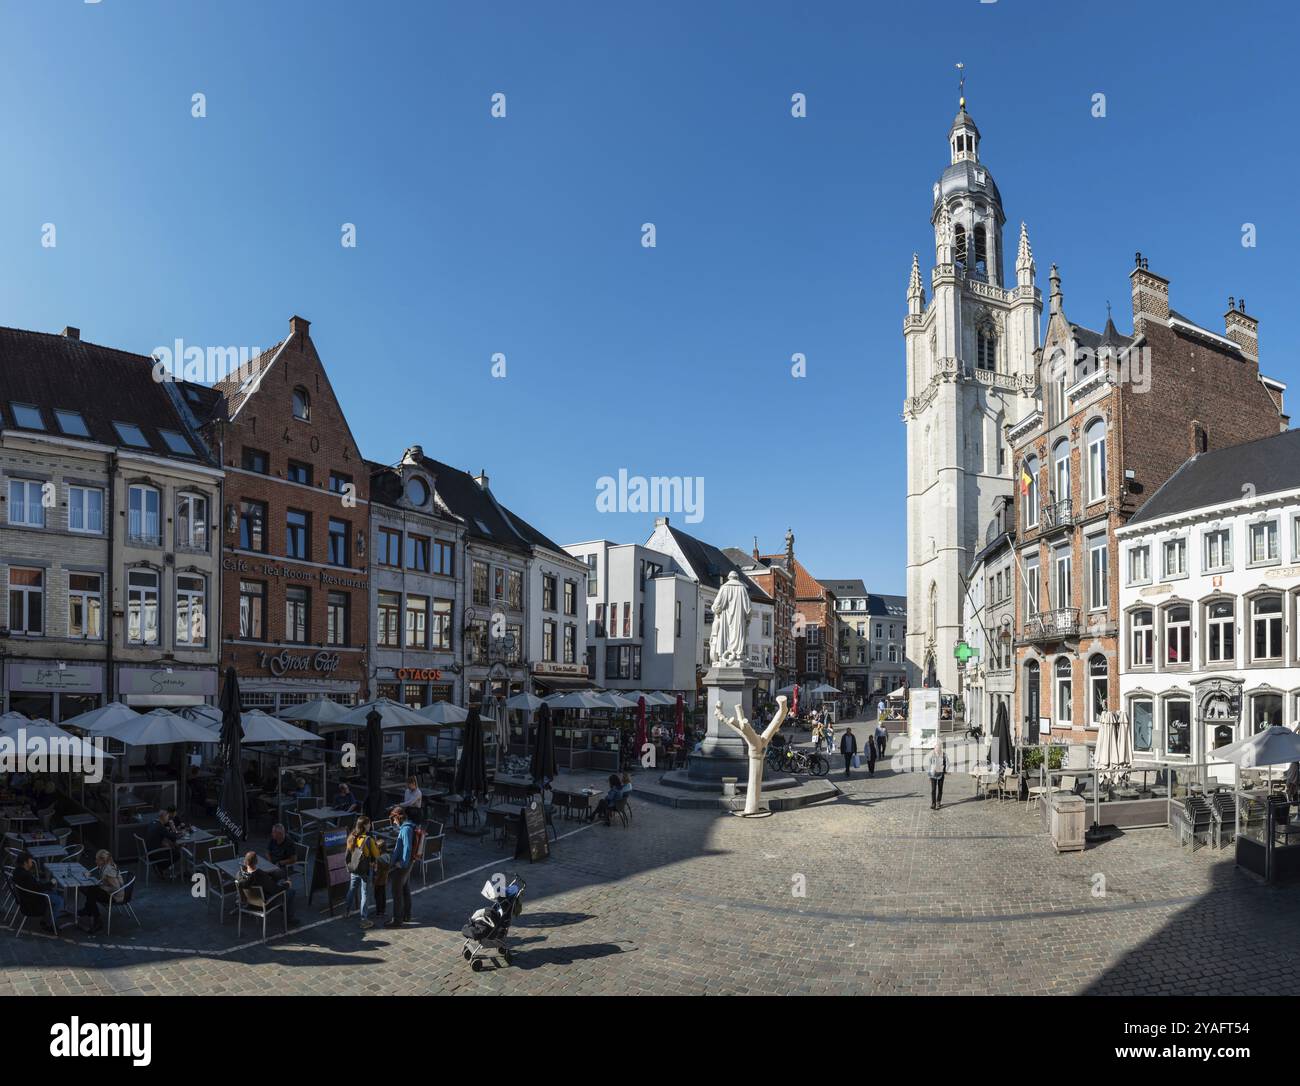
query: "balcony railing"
1057, 514
1053, 625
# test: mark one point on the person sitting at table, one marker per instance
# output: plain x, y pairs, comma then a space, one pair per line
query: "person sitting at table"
280, 850
269, 882
344, 800
161, 834
110, 881
610, 799
302, 790
413, 801
627, 785
25, 878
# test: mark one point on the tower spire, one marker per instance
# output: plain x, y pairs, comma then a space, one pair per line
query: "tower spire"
1025, 268
961, 85
915, 291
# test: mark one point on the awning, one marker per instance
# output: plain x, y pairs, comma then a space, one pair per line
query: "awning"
563, 682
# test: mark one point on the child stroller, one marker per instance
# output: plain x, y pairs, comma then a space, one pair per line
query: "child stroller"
487, 930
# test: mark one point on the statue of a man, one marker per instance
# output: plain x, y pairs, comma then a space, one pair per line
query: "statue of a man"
730, 622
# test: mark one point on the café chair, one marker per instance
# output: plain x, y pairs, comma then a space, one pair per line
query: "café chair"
431, 853
253, 903
624, 811
33, 905
127, 892
72, 853
221, 889
148, 858
217, 853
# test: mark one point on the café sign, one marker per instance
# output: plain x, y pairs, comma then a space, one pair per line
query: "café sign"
285, 663
47, 677
543, 667
326, 578
158, 681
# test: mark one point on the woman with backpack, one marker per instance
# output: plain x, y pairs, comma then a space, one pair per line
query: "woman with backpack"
362, 859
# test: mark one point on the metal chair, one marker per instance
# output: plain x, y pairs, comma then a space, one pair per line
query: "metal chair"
222, 889
253, 903
127, 892
148, 857
217, 853
72, 852
624, 811
431, 853
34, 905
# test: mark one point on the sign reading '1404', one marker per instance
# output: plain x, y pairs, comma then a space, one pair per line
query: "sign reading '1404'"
281, 663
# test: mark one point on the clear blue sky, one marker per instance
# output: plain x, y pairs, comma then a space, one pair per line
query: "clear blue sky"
522, 235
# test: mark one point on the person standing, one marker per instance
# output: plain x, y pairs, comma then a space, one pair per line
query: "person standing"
817, 735
880, 709
829, 728
848, 748
938, 767
362, 857
399, 868
882, 740
871, 754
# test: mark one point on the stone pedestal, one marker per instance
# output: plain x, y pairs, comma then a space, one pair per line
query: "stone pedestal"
723, 752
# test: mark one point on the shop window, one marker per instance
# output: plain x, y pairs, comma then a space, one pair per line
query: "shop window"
1265, 712
1178, 727
1142, 717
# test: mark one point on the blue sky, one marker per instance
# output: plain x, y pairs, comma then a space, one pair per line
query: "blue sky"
522, 235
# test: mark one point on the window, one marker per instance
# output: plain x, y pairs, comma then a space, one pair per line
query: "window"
131, 434
177, 442
986, 344
516, 598
1295, 538
627, 619
1139, 564
1098, 688
388, 547
1061, 470
417, 491
299, 472
570, 597
441, 630
593, 579
1178, 726
1064, 692
570, 643
142, 607
1098, 573
1029, 492
514, 643
85, 606
301, 404
548, 592
71, 423
296, 534
677, 618
1175, 557
442, 558
143, 525
417, 622
1218, 550
191, 522
1095, 436
338, 606
624, 661
1062, 562
959, 246
252, 526
613, 620
1178, 634
417, 553
1266, 628
1031, 588
1265, 712
548, 640
27, 416
1263, 542
25, 506
252, 610
191, 611
85, 509
26, 601
388, 623
1142, 717
480, 582
339, 482
499, 583
256, 460
339, 530
1220, 630
296, 619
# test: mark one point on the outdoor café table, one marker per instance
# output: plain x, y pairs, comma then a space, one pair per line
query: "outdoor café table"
79, 822
71, 876
36, 837
235, 868
40, 853
327, 814
192, 838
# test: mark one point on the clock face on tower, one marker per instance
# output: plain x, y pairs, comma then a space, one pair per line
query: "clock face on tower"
417, 490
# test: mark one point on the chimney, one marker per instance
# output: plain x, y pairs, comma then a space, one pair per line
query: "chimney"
71, 333
413, 455
755, 548
482, 478
661, 522
789, 549
1242, 329
299, 324
1150, 296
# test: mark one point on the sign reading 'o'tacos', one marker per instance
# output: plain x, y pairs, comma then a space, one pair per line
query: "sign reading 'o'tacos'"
418, 674
283, 663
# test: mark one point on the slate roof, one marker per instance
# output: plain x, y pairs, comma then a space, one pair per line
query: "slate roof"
847, 588
711, 565
244, 381
886, 606
102, 384
1269, 464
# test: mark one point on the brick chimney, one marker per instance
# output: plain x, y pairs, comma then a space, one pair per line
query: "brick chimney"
1242, 329
299, 324
1150, 296
71, 333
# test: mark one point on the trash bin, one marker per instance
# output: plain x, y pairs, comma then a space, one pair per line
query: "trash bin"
1068, 815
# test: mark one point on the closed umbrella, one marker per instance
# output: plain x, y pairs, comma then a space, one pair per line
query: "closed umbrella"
232, 812
374, 763
640, 726
471, 770
443, 712
542, 767
681, 723
1002, 744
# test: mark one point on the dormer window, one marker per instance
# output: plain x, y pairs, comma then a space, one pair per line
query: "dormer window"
417, 491
301, 404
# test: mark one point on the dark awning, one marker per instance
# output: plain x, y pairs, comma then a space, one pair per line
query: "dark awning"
563, 682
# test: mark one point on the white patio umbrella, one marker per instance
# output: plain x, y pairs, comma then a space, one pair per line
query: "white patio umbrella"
156, 728
660, 698
260, 727
443, 712
207, 715
824, 688
43, 730
316, 711
115, 712
577, 699
391, 715
1273, 746
616, 699
528, 702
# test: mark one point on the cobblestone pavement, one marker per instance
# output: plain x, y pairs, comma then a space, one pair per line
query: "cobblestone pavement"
896, 898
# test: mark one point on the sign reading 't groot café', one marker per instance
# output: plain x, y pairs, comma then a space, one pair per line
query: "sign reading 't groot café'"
282, 663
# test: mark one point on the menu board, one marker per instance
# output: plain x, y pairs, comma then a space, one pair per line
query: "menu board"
331, 869
530, 836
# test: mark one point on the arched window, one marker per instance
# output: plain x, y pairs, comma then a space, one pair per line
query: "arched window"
1178, 634
986, 347
1098, 688
1029, 492
959, 246
1095, 441
1064, 692
981, 263
301, 404
1140, 644
1057, 378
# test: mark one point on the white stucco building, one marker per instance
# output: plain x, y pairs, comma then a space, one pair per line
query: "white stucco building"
1210, 598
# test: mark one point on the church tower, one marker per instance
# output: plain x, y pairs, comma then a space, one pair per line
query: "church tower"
970, 375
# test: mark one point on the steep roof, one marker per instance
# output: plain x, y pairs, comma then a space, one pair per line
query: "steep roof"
711, 565
846, 587
477, 508
1270, 465
103, 385
241, 383
886, 606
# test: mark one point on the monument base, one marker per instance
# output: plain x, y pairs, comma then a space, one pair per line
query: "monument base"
723, 753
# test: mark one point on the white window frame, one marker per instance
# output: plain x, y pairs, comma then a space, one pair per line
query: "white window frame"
1098, 578
193, 501
1096, 460
1169, 547
1033, 588
1063, 692
1272, 548
1165, 639
186, 636
143, 535
140, 596
24, 591
1149, 641
1279, 617
79, 499
1143, 549
1225, 551
27, 487
1165, 703
86, 596
1031, 496
1219, 623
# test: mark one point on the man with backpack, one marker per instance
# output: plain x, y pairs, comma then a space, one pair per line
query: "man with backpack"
399, 868
362, 858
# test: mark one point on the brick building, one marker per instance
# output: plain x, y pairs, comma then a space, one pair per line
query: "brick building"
1117, 416
295, 576
772, 573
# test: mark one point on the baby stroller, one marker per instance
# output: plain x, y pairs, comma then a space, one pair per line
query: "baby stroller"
487, 930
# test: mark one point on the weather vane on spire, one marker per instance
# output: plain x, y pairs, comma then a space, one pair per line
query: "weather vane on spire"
961, 84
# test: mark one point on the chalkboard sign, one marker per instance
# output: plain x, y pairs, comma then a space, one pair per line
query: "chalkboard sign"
331, 869
530, 834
